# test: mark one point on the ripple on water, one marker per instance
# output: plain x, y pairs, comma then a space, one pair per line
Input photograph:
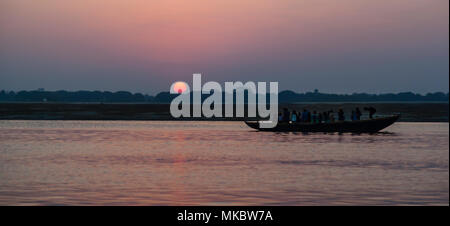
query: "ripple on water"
218, 163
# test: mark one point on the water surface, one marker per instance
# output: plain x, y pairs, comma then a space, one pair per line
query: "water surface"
218, 163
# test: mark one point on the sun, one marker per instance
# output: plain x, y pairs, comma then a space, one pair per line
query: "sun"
179, 87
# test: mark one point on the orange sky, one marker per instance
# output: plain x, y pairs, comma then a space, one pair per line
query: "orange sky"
173, 39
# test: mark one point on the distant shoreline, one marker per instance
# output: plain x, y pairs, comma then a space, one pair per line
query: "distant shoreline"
286, 96
410, 111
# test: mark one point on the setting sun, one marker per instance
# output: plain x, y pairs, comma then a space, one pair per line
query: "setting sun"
179, 87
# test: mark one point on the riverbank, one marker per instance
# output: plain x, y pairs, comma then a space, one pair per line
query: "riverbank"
410, 112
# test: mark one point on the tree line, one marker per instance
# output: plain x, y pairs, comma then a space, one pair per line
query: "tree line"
165, 97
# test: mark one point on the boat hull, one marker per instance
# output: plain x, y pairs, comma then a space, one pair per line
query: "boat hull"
361, 126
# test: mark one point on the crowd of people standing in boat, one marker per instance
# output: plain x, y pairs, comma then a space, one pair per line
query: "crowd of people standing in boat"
306, 116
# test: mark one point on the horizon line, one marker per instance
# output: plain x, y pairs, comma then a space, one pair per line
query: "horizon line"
286, 90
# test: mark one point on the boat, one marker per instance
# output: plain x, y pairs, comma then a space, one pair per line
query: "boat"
361, 126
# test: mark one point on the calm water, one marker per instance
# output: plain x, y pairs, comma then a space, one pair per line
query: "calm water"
218, 163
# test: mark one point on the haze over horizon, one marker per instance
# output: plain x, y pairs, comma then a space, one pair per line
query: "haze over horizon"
140, 46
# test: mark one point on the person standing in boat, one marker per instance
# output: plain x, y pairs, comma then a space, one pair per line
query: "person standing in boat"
341, 116
308, 113
286, 115
325, 116
358, 114
314, 117
331, 116
305, 115
371, 110
294, 116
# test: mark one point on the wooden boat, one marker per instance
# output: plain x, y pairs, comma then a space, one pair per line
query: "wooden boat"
361, 126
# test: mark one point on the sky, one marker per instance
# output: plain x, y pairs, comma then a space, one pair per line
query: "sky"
144, 46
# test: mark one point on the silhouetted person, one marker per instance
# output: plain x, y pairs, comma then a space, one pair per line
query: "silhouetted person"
325, 116
305, 115
286, 115
331, 115
341, 116
294, 116
280, 117
314, 117
358, 114
371, 110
